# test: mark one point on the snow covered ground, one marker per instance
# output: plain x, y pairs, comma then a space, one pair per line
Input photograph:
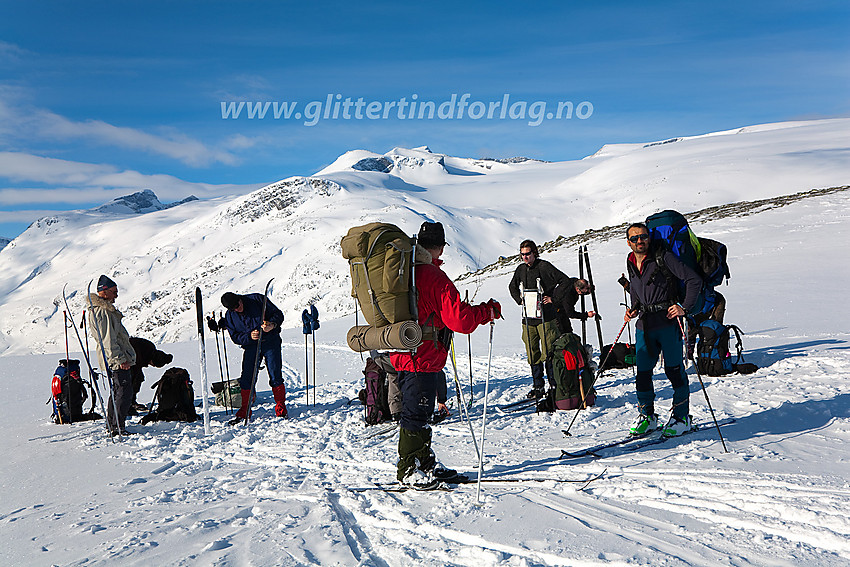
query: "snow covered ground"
278, 492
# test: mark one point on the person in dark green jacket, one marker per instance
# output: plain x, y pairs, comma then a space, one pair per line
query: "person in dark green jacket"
539, 309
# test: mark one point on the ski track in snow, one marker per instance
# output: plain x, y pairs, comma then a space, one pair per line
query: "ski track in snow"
275, 493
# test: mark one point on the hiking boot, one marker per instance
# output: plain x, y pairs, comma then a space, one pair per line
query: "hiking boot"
440, 473
420, 480
678, 426
644, 424
439, 416
279, 393
535, 394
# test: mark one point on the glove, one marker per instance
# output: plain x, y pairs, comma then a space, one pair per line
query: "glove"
214, 327
495, 309
307, 323
314, 317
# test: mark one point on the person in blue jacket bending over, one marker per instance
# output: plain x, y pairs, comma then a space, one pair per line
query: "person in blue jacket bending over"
243, 320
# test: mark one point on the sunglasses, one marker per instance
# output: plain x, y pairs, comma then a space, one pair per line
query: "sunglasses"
526, 254
638, 237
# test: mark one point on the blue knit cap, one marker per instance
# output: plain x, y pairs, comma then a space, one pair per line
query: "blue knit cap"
105, 283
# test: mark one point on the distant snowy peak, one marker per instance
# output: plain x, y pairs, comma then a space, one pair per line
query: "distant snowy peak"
381, 164
137, 203
406, 162
511, 160
280, 199
140, 202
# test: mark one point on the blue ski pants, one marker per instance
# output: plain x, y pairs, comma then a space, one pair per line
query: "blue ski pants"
270, 351
648, 346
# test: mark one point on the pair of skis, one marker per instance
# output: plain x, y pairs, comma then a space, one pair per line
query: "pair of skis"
634, 442
461, 479
584, 261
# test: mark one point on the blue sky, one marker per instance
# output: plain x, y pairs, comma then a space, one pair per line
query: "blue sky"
101, 99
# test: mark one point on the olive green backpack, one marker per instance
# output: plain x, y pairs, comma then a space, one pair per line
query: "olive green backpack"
380, 257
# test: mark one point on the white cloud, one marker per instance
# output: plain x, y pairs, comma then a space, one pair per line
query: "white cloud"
10, 53
175, 145
84, 183
27, 125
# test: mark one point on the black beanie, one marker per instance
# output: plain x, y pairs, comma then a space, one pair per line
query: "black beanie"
431, 234
230, 300
104, 283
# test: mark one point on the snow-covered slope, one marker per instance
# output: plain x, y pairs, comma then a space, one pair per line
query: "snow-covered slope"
290, 230
278, 492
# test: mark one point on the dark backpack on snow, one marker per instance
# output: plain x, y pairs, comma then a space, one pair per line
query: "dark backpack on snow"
375, 396
69, 393
622, 356
175, 398
713, 356
571, 373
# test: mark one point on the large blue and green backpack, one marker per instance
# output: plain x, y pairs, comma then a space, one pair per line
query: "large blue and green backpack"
705, 256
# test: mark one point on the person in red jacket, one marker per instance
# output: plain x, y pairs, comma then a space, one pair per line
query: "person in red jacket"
441, 312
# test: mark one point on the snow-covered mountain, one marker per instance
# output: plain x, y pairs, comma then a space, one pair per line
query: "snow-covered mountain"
303, 491
144, 201
290, 230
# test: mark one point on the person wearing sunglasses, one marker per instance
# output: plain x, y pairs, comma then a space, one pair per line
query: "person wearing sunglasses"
655, 305
540, 311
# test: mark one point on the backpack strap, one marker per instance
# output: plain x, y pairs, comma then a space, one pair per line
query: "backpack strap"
738, 345
439, 335
672, 280
372, 295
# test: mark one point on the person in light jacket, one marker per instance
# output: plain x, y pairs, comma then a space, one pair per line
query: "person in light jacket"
114, 351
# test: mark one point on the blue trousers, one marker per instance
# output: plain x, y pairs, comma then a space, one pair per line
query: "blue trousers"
418, 396
270, 351
648, 346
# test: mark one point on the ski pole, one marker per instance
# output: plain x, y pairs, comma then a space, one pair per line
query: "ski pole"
626, 303
229, 396
583, 306
306, 328
623, 281
259, 352
596, 316
707, 401
484, 413
595, 379
602, 364
469, 345
454, 365
464, 411
685, 341
314, 326
218, 352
